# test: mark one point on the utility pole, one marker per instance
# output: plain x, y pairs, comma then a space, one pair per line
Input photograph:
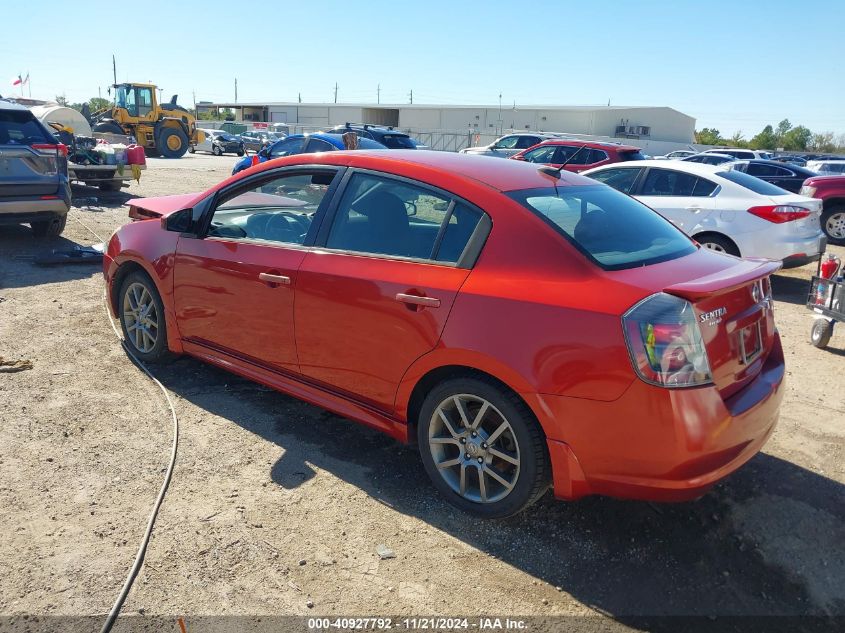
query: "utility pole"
114, 67
501, 127
335, 92
299, 97
236, 89
194, 95
378, 93
412, 96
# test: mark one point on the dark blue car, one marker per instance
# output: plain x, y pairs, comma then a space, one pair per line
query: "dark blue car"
302, 144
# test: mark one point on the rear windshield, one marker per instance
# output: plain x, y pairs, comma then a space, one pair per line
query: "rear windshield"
612, 229
22, 128
398, 141
637, 155
365, 143
753, 183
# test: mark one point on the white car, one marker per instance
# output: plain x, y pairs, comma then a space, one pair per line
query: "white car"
827, 167
508, 145
743, 154
676, 155
722, 209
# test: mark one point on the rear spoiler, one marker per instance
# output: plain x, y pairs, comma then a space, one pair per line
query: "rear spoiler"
745, 271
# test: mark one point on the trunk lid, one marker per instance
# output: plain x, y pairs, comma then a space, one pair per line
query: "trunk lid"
803, 227
736, 320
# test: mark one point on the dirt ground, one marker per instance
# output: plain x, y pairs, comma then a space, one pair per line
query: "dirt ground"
276, 505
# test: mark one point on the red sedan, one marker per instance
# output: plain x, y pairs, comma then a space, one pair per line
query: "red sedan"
524, 328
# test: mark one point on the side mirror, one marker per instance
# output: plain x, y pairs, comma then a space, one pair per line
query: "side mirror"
179, 222
522, 158
264, 152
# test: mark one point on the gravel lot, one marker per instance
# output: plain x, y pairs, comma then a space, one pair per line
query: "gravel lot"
276, 504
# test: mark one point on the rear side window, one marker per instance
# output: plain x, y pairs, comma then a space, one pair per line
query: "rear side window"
623, 156
612, 229
665, 182
22, 128
524, 142
757, 169
753, 183
287, 147
704, 187
382, 216
319, 145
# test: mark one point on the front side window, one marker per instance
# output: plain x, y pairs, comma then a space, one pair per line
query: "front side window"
621, 179
759, 170
287, 147
382, 216
541, 154
278, 210
508, 142
665, 182
612, 229
319, 145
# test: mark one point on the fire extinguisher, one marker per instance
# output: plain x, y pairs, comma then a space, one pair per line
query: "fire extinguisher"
830, 266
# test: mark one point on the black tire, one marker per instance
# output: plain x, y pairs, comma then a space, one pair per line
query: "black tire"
192, 149
240, 152
49, 228
821, 333
110, 185
157, 353
717, 242
834, 216
526, 440
215, 149
169, 134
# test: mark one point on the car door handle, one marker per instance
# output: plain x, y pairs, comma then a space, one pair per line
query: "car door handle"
274, 279
417, 300
694, 209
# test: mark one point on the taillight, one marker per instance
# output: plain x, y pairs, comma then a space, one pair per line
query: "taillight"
665, 343
59, 148
780, 213
808, 191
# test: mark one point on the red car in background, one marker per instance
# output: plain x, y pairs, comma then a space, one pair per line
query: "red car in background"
578, 156
525, 330
831, 190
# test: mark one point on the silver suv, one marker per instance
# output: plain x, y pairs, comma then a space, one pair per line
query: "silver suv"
34, 185
508, 145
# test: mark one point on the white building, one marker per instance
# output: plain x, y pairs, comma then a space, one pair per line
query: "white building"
635, 122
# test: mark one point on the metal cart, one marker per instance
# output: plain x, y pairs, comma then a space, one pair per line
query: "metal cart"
826, 299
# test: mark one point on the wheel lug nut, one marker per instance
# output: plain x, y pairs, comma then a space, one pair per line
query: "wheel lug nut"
474, 434
483, 444
480, 460
466, 455
463, 440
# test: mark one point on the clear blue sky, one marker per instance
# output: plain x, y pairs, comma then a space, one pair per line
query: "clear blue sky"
708, 59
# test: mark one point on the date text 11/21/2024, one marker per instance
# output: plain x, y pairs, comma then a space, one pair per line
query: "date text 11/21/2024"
417, 623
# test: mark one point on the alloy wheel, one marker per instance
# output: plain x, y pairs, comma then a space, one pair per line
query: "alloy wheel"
140, 317
474, 448
714, 247
835, 225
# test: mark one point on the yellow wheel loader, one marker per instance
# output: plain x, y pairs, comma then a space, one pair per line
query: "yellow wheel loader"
166, 129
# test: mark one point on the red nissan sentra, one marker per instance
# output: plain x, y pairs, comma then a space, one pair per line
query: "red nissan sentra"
526, 328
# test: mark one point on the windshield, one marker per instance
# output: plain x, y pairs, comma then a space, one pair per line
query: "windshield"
612, 229
753, 183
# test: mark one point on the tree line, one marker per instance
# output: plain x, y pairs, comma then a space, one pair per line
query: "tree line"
98, 103
791, 139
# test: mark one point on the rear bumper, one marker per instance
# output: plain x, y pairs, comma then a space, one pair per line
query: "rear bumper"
659, 444
782, 246
29, 209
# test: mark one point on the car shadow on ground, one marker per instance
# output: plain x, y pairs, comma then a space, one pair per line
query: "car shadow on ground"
93, 199
790, 289
623, 558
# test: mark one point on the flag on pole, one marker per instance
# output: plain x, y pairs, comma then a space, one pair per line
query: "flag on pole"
17, 81
25, 79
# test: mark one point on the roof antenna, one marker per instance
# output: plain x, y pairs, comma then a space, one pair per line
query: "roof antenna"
555, 172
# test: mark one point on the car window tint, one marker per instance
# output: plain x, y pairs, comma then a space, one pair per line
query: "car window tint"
524, 142
614, 230
278, 210
541, 154
704, 187
620, 179
508, 142
752, 183
596, 156
458, 231
22, 128
319, 145
388, 217
758, 169
572, 155
287, 147
397, 141
665, 182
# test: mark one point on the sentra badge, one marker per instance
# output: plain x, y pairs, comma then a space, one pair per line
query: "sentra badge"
714, 316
